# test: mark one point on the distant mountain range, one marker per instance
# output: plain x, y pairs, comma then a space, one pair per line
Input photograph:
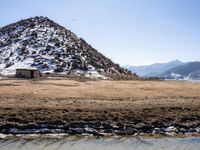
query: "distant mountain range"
188, 71
175, 70
154, 69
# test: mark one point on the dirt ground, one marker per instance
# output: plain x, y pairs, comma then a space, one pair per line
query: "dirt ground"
135, 103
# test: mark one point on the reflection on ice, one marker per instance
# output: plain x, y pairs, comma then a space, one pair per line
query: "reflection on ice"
90, 143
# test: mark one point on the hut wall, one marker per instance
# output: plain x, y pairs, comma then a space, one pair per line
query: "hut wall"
23, 74
36, 74
28, 73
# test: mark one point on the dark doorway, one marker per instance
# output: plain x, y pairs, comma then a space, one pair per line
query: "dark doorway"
32, 74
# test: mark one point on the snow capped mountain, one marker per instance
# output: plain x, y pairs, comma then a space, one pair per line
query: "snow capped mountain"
41, 43
173, 70
188, 71
154, 69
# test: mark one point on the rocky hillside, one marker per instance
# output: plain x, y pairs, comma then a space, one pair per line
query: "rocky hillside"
41, 43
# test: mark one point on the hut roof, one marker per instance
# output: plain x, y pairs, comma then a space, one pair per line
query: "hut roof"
27, 69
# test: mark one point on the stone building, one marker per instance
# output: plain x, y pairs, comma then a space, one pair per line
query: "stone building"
28, 73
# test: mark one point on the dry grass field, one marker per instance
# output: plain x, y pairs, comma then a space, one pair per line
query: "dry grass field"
137, 103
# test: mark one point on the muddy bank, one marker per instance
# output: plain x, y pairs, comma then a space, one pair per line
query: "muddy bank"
154, 120
99, 107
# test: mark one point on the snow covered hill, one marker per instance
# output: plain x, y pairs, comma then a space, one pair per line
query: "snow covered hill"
41, 43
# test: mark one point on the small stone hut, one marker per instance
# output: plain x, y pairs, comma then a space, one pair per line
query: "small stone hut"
28, 73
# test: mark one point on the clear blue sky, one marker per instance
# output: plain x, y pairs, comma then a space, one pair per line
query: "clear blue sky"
135, 32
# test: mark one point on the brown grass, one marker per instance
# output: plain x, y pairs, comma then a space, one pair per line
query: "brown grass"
132, 102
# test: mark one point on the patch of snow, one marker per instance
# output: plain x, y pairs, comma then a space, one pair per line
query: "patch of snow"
2, 136
96, 75
175, 75
171, 129
91, 74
